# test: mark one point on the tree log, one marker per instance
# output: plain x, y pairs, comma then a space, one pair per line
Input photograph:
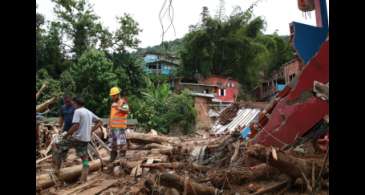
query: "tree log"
66, 174
156, 146
285, 163
149, 138
176, 165
240, 175
185, 184
145, 154
44, 86
223, 143
43, 106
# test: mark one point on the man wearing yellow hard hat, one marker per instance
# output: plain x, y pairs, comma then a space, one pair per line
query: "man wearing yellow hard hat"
118, 123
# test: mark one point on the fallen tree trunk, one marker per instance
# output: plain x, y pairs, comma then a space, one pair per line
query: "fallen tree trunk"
240, 175
66, 174
176, 165
43, 106
185, 184
285, 163
44, 86
217, 153
149, 138
223, 143
156, 146
145, 154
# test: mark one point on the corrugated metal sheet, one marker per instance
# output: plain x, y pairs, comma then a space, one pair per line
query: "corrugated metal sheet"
202, 94
243, 118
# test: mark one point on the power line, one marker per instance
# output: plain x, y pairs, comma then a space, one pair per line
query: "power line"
170, 10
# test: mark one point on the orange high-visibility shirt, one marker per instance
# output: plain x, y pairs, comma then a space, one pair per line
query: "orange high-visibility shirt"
118, 119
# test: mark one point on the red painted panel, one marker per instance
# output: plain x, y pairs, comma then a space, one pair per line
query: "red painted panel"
288, 122
317, 69
296, 112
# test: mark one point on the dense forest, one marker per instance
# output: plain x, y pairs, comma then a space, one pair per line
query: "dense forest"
77, 55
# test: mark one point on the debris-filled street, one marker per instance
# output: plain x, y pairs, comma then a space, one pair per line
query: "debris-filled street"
228, 108
203, 163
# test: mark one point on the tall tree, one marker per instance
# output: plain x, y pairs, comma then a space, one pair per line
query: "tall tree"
235, 47
53, 51
94, 76
39, 40
126, 35
80, 23
129, 70
205, 15
220, 15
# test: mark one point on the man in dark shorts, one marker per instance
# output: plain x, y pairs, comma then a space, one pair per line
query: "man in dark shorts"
78, 137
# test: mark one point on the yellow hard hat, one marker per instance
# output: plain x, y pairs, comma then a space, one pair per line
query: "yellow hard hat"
114, 91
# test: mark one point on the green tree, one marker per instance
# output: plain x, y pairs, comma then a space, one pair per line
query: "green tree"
94, 76
53, 86
130, 73
67, 83
163, 110
126, 34
79, 22
39, 41
279, 50
53, 51
235, 47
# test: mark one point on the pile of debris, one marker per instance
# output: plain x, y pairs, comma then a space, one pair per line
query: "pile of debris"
235, 117
157, 164
199, 164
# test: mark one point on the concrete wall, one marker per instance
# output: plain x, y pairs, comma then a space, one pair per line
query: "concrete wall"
202, 119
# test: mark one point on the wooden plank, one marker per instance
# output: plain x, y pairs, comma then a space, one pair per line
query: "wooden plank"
42, 159
97, 138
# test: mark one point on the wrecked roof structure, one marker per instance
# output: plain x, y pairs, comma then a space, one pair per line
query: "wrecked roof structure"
242, 119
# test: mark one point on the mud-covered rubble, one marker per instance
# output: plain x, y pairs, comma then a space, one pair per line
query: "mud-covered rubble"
157, 164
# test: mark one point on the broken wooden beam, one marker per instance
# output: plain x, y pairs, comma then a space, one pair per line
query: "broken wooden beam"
43, 106
44, 86
101, 142
43, 159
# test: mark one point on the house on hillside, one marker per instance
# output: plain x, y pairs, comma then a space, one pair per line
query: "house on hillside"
227, 89
211, 95
278, 80
157, 63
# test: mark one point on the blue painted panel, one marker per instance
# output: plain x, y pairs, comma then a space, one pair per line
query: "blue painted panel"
308, 39
280, 87
245, 132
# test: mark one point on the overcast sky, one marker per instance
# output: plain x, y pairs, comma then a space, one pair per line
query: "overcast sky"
277, 14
